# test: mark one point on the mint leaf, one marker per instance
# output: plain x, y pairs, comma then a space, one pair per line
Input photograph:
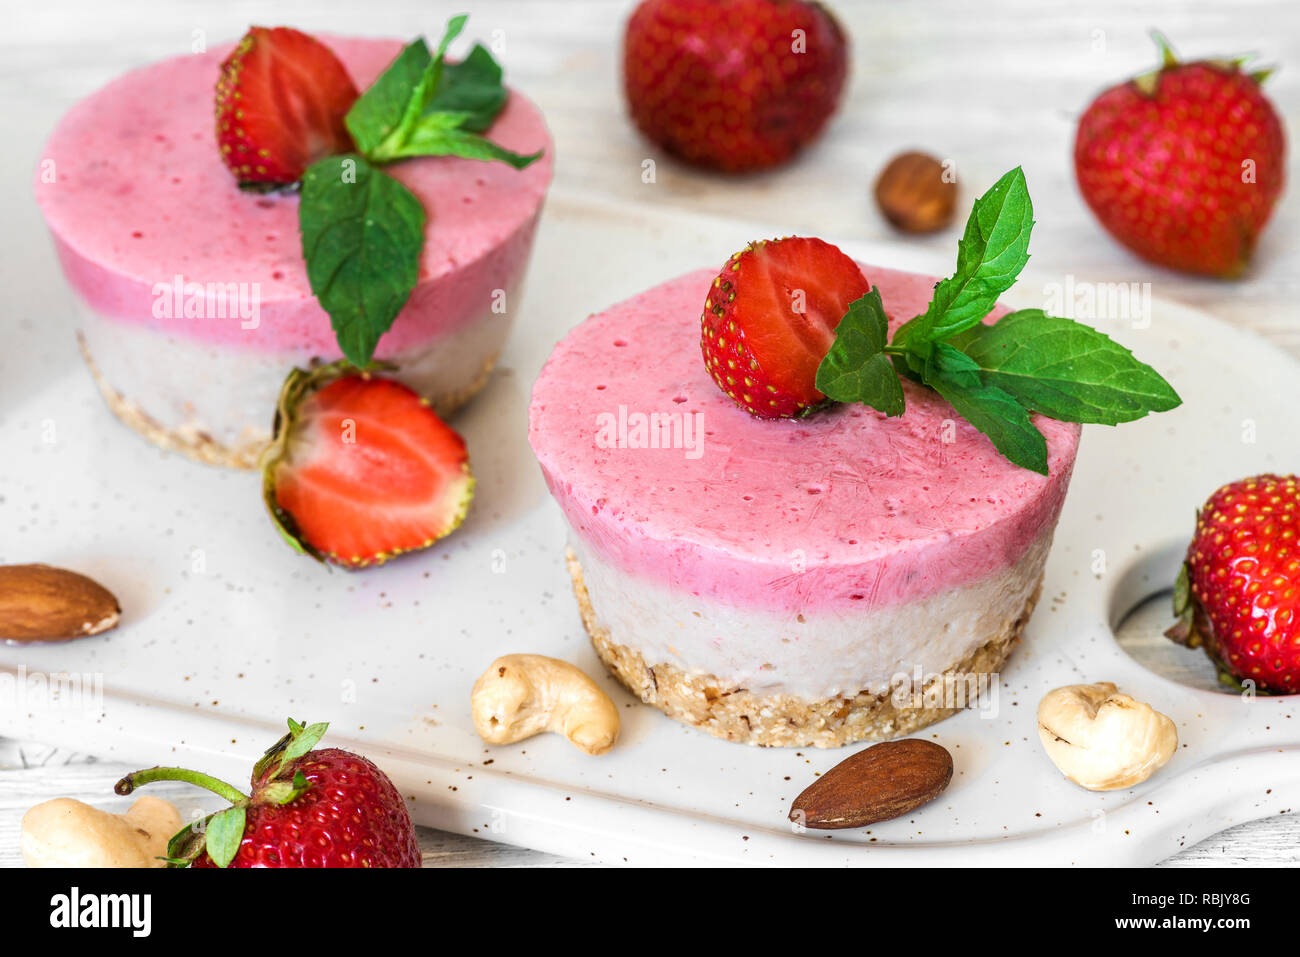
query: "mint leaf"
999, 416
436, 135
1066, 370
224, 833
856, 369
362, 232
911, 359
945, 362
432, 79
421, 106
990, 256
391, 105
421, 94
379, 110
473, 87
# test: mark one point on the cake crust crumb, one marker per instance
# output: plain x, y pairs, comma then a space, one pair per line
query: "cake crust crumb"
193, 442
713, 705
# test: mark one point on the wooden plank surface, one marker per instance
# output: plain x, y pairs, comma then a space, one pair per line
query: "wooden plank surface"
987, 85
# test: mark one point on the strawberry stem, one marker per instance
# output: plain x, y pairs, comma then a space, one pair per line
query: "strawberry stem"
198, 778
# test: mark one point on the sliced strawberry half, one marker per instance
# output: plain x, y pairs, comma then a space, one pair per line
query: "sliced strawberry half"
361, 469
281, 99
770, 319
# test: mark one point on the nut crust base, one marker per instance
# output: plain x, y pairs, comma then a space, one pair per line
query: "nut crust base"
783, 720
193, 442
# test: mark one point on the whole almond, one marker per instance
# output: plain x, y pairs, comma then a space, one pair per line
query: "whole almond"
914, 194
43, 603
883, 782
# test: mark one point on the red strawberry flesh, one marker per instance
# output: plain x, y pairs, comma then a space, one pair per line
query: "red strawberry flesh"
770, 319
281, 99
369, 471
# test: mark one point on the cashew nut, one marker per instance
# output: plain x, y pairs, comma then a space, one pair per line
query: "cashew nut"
523, 695
1104, 740
68, 833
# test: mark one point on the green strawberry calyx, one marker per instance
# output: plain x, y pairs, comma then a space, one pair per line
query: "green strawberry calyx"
1147, 83
1185, 630
276, 781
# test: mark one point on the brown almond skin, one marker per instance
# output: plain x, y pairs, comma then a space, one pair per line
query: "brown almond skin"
43, 603
912, 194
885, 781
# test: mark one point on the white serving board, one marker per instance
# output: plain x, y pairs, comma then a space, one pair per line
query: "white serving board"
226, 631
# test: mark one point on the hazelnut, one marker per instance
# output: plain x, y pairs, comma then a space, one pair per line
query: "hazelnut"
914, 194
1104, 740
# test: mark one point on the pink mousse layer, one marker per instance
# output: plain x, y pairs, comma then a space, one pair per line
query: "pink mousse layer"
140, 195
875, 511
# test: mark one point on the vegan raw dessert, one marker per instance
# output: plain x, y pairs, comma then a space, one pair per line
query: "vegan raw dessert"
777, 568
205, 268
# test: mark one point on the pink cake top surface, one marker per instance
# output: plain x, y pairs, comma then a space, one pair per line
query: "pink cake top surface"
139, 189
845, 507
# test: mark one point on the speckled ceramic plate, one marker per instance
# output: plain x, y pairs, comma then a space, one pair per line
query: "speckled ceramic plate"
226, 631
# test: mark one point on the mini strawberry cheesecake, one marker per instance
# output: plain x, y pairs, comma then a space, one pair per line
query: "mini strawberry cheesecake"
778, 581
193, 295
810, 501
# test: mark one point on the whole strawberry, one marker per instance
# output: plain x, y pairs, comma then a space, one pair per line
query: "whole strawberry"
733, 84
361, 469
1238, 595
306, 808
770, 319
1184, 165
281, 99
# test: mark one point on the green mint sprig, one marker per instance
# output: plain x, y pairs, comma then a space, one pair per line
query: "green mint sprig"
996, 375
362, 230
420, 106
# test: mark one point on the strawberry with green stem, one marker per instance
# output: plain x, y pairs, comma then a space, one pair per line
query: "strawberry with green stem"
306, 807
1183, 165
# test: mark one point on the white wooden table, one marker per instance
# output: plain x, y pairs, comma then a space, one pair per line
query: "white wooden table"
988, 86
